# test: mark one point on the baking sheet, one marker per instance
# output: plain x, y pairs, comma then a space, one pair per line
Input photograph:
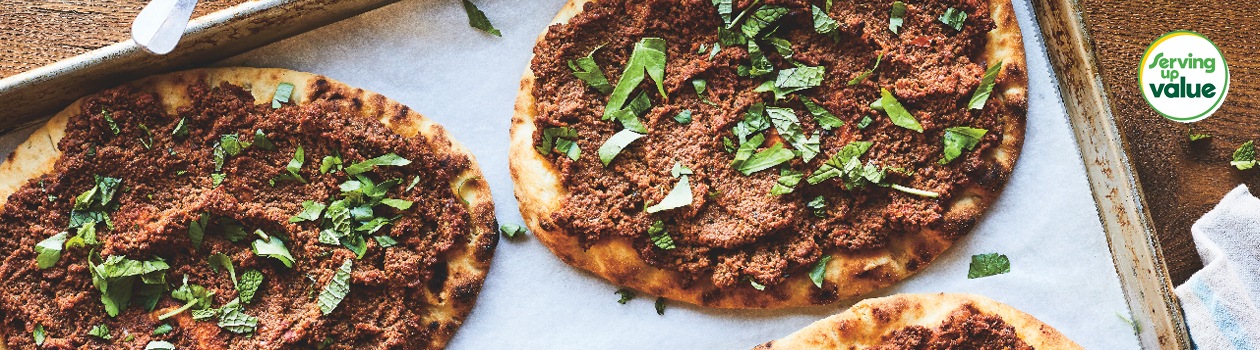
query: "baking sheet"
423, 54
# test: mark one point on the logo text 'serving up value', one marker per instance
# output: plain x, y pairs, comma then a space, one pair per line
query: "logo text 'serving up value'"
1183, 76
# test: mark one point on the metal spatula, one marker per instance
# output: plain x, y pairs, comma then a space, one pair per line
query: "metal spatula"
161, 23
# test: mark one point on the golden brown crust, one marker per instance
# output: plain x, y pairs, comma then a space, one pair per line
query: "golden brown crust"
867, 323
539, 191
467, 264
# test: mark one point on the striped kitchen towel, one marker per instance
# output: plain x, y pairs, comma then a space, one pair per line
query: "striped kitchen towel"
1220, 301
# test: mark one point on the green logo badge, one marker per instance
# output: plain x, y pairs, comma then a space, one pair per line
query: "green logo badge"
1183, 76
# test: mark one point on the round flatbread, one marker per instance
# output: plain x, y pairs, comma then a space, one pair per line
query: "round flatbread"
751, 225
926, 321
343, 218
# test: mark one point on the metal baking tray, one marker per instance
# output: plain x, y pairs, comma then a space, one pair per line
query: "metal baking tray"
1138, 258
31, 96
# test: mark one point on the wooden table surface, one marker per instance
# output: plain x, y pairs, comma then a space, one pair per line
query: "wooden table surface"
1182, 180
35, 33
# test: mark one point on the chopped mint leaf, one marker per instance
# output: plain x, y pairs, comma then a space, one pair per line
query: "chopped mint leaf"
724, 8
865, 122
896, 16
647, 58
100, 331
789, 128
958, 138
478, 19
220, 261
678, 197
835, 166
283, 92
197, 229
788, 179
195, 297
49, 250
746, 150
163, 329
818, 274
400, 204
251, 280
701, 85
755, 285
823, 23
311, 211
585, 69
824, 118
760, 64
561, 139
626, 294
336, 289
986, 86
615, 144
819, 206
293, 168
864, 75
683, 117
262, 142
512, 230
385, 241
766, 159
147, 139
390, 159
898, 114
181, 129
985, 265
39, 335
329, 164
761, 20
113, 125
954, 18
116, 275
660, 237
273, 248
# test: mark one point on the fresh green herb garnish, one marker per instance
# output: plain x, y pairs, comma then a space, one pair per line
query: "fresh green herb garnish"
789, 128
181, 129
746, 150
163, 329
626, 294
755, 285
615, 144
864, 75
90, 210
116, 276
680, 170
755, 121
761, 20
311, 211
100, 331
724, 8
273, 248
896, 113
766, 159
587, 70
818, 205
985, 265
478, 19
159, 345
261, 141
678, 197
660, 306
823, 23
385, 241
896, 16
958, 138
648, 58
251, 280
197, 229
390, 159
819, 273
39, 335
865, 122
235, 320
683, 117
824, 118
147, 139
512, 230
295, 167
788, 179
1245, 156
660, 237
283, 92
700, 85
195, 297
336, 289
986, 86
954, 18
838, 164
49, 250
561, 139
792, 80
760, 65
220, 261
113, 125
329, 164
1196, 136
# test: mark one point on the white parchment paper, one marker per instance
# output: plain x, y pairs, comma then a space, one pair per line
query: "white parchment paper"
423, 54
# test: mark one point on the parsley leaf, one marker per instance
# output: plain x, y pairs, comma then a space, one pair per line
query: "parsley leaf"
478, 19
766, 159
336, 289
311, 211
100, 331
819, 273
626, 294
283, 92
864, 75
587, 70
390, 159
896, 16
683, 117
615, 144
1245, 156
985, 265
647, 58
954, 18
959, 137
824, 118
49, 250
986, 86
788, 179
898, 114
679, 196
660, 237
512, 230
251, 280
273, 248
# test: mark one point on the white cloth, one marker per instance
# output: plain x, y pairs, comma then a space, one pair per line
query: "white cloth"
1220, 300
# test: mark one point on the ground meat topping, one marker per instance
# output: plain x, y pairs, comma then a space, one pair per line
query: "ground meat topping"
168, 181
965, 328
734, 229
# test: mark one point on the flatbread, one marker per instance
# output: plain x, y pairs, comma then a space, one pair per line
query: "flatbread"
867, 323
467, 262
541, 193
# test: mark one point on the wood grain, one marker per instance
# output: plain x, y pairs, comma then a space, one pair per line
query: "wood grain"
35, 33
1181, 180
